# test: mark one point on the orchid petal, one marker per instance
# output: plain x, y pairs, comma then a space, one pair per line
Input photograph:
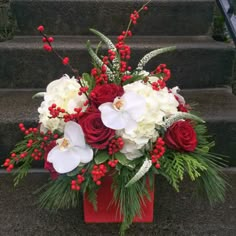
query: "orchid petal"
74, 133
111, 118
130, 125
86, 154
134, 104
64, 161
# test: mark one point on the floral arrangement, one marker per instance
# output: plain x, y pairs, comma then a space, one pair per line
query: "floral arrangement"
116, 121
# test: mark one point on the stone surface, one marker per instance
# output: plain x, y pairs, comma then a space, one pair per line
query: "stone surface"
216, 106
198, 62
75, 17
175, 213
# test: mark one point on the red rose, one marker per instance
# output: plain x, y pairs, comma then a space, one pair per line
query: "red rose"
181, 136
105, 93
95, 132
47, 165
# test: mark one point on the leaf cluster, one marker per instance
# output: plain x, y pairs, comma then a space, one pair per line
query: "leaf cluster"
200, 166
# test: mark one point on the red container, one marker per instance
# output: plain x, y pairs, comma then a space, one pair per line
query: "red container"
107, 213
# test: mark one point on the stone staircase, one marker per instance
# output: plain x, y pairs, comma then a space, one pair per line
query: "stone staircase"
202, 67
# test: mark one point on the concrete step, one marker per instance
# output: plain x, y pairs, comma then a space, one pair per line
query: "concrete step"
174, 213
217, 106
75, 17
198, 62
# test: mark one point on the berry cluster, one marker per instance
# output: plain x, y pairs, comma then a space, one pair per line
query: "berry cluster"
113, 163
27, 131
83, 90
7, 164
125, 78
157, 152
98, 172
158, 85
75, 184
122, 47
55, 110
100, 75
47, 46
34, 145
124, 51
165, 73
111, 55
36, 154
134, 17
115, 145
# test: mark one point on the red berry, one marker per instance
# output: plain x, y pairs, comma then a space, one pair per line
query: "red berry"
65, 61
157, 165
40, 28
47, 48
73, 187
50, 39
13, 155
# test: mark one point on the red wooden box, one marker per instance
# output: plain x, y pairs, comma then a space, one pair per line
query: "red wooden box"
106, 212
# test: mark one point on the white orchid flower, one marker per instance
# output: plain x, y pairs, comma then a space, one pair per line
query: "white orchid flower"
124, 112
71, 150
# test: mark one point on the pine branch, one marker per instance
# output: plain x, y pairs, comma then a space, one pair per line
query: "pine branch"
129, 199
59, 195
211, 183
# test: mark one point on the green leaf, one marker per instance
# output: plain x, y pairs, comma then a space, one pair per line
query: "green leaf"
73, 172
105, 39
133, 79
98, 61
38, 95
101, 157
121, 158
152, 54
90, 81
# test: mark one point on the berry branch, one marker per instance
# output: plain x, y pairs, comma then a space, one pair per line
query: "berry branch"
65, 61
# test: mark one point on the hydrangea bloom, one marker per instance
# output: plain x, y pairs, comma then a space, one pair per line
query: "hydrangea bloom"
63, 92
159, 104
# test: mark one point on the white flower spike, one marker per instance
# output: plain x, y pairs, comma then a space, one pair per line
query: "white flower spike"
71, 150
124, 112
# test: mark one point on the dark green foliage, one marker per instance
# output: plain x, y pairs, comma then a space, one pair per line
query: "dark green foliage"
200, 165
58, 195
128, 200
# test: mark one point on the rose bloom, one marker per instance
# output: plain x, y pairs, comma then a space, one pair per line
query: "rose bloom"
105, 93
181, 136
96, 133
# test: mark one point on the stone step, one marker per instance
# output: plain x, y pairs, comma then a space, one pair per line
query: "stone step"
198, 62
75, 17
217, 107
174, 213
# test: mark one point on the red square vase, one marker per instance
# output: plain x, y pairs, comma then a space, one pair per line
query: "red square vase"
106, 212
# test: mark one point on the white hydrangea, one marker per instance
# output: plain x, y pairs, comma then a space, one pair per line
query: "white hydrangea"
64, 93
159, 104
